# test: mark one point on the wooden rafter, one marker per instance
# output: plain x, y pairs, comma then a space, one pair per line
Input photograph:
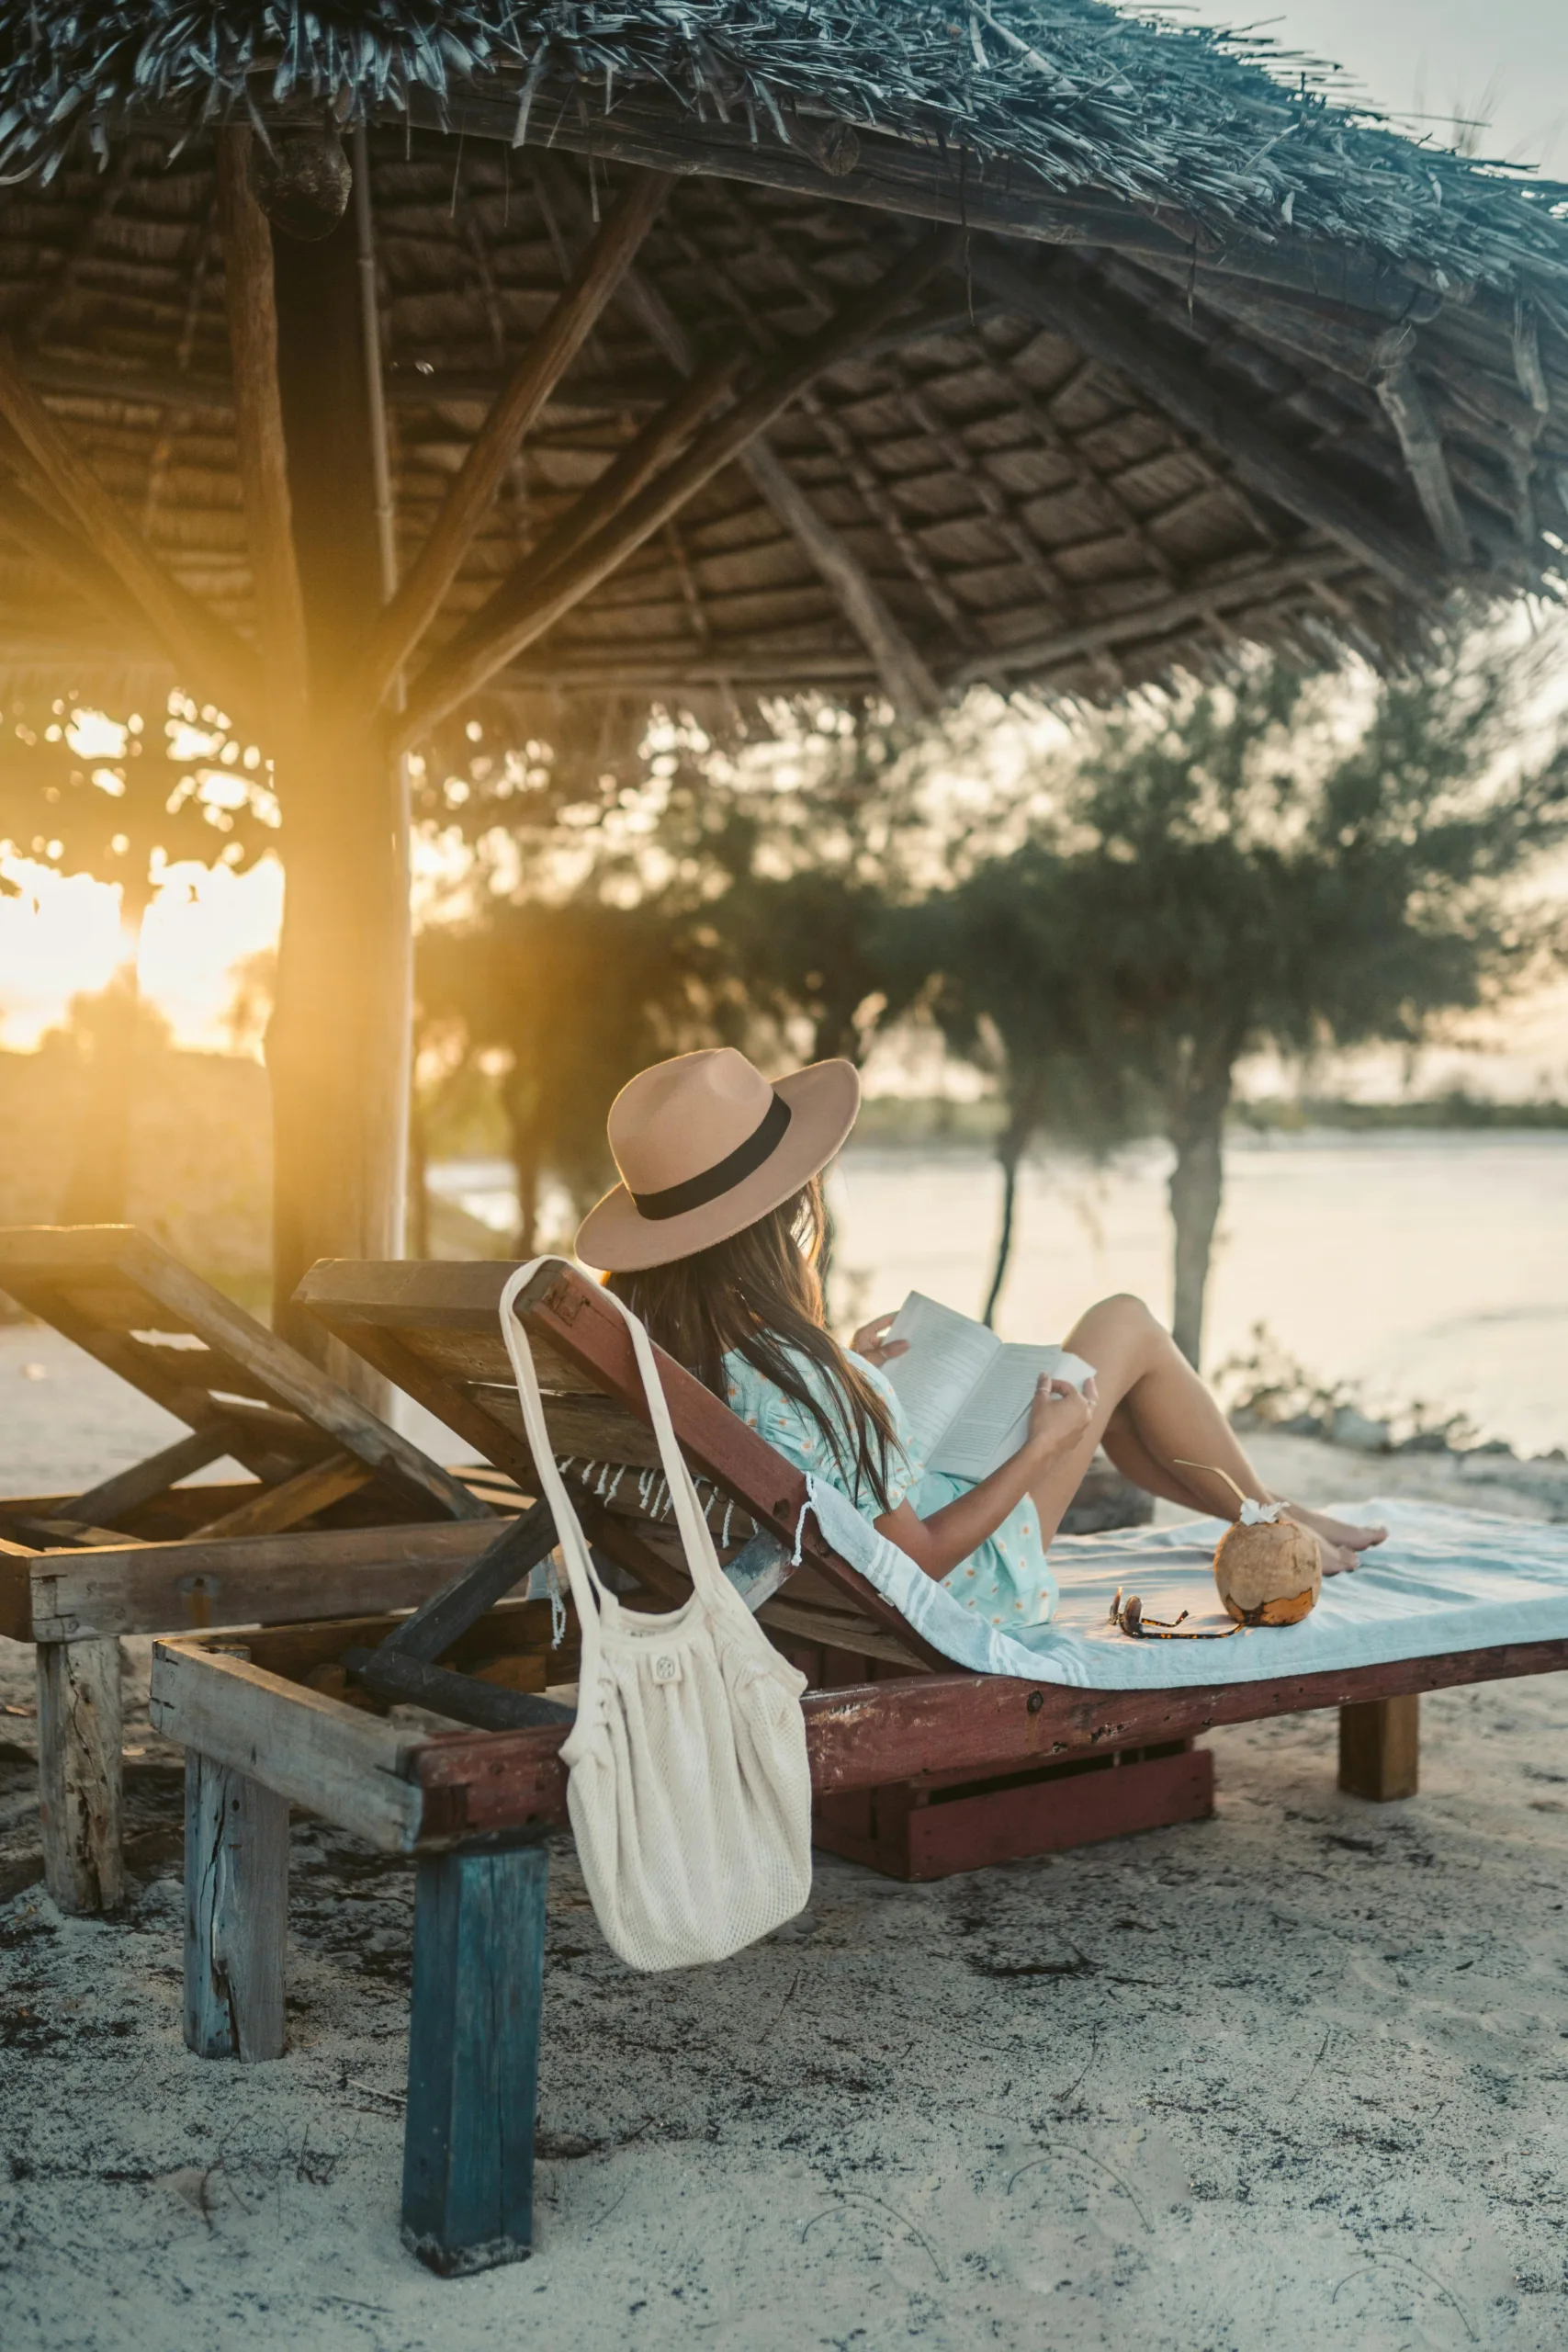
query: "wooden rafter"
404, 621
1145, 359
1405, 405
219, 664
904, 674
479, 651
252, 300
874, 491
43, 535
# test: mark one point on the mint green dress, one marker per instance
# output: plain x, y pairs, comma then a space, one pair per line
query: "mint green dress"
1007, 1581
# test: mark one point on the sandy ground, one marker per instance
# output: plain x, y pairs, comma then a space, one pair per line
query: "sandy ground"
1291, 2077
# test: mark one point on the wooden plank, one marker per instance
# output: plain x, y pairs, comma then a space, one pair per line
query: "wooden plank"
16, 1590
511, 1629
335, 1759
447, 1615
392, 1673
275, 1579
236, 1913
108, 1502
293, 1499
251, 301
861, 1736
98, 1283
1380, 1748
455, 674
219, 661
903, 1832
479, 1965
79, 1735
403, 622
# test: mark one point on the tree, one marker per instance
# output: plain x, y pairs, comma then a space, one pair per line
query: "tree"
566, 1002
1252, 864
80, 794
1009, 998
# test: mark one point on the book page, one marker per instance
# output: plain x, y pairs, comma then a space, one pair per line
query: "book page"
994, 1421
948, 1354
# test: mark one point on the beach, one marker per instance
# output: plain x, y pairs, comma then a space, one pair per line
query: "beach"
1292, 2076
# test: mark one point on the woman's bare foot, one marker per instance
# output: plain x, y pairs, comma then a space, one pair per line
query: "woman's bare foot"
1340, 1541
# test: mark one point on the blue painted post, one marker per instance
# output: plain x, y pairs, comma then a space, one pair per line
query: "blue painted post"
479, 1967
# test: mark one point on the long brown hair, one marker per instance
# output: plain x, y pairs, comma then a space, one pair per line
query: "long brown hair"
760, 1294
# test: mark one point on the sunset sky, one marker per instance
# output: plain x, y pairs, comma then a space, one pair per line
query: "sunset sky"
1424, 60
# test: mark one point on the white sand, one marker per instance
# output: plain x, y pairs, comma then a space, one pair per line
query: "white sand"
1292, 2077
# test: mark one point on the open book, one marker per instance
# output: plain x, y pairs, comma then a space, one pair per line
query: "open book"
968, 1393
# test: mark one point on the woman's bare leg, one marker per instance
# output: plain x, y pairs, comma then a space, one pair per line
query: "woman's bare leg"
1153, 1414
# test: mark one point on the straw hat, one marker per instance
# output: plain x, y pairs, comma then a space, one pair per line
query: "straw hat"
706, 1146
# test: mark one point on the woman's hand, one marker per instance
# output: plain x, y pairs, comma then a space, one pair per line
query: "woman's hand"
870, 1342
1059, 1417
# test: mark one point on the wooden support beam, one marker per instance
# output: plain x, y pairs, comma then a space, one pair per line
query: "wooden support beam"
404, 621
79, 1735
476, 655
218, 663
479, 1971
112, 1497
43, 535
1116, 339
286, 1504
906, 679
252, 298
1405, 405
1380, 1748
236, 1913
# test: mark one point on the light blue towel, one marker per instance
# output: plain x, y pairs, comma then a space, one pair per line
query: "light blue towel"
1445, 1581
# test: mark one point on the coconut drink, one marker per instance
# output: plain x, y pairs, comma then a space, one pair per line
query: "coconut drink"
1268, 1570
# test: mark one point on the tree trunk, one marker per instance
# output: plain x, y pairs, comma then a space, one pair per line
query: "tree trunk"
338, 1045
1009, 1154
419, 1180
98, 1185
1026, 1109
1197, 1184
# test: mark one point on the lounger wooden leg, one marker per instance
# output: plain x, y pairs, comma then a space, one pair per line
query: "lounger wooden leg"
236, 1912
479, 1965
79, 1732
1380, 1748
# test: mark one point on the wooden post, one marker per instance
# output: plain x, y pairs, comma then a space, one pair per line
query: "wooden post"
79, 1730
1380, 1748
236, 1912
479, 1963
338, 1045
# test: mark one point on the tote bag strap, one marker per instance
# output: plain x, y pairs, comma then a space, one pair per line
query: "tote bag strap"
696, 1537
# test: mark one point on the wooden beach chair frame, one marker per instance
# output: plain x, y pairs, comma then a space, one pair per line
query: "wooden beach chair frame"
342, 1514
472, 1808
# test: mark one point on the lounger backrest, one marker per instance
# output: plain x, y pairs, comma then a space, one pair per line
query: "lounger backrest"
144, 1315
435, 1330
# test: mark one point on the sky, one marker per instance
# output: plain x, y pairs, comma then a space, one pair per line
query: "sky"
1423, 60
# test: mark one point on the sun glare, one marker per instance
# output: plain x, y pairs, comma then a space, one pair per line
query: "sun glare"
59, 937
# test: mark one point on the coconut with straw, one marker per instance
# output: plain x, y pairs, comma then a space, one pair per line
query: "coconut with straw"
1268, 1571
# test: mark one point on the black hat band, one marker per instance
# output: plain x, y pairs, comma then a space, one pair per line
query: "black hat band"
698, 1191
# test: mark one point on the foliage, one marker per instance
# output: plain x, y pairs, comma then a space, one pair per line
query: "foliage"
1241, 866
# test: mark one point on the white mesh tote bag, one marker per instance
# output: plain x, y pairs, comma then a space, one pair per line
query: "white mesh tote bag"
689, 1789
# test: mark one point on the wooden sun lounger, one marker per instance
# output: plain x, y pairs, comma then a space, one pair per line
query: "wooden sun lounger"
473, 1807
340, 1514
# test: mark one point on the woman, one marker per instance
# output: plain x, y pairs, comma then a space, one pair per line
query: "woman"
714, 1236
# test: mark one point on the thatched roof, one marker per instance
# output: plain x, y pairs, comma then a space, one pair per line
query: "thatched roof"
1220, 357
